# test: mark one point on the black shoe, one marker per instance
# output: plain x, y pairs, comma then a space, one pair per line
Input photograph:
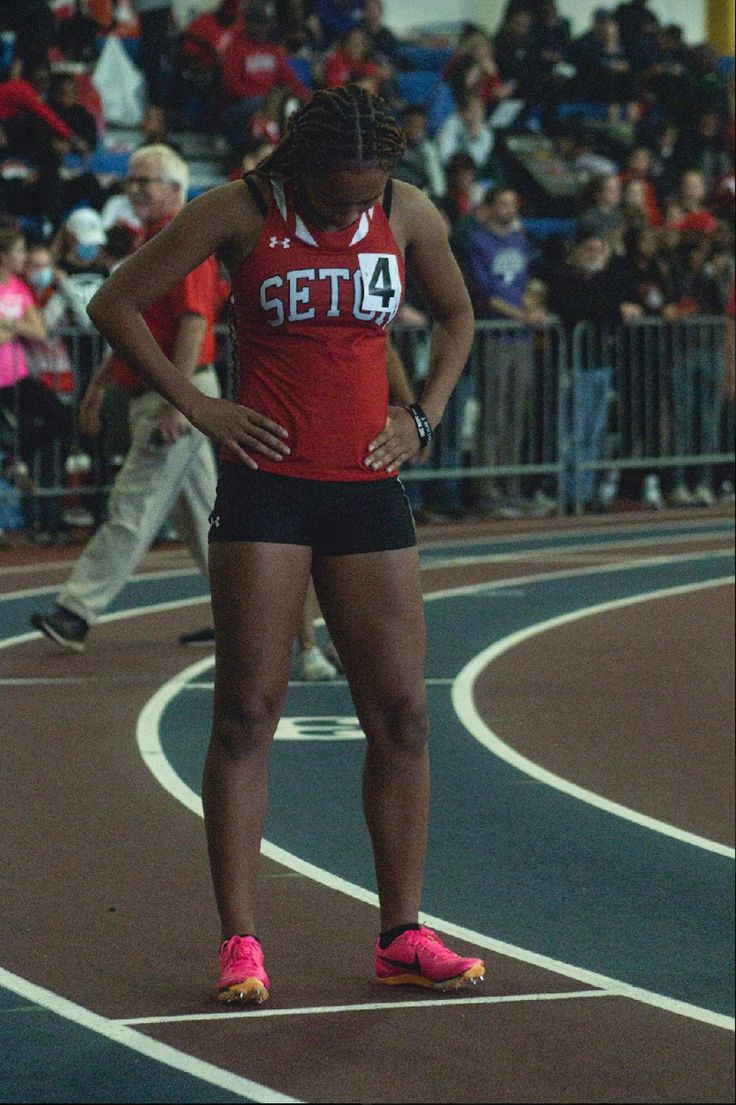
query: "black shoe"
199, 637
62, 627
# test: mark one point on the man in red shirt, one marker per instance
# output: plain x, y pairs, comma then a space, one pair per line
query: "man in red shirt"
169, 470
251, 67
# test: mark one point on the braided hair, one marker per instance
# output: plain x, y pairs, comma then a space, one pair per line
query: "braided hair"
338, 128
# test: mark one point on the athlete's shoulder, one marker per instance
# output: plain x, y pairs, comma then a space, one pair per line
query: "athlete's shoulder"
231, 215
409, 199
228, 201
412, 212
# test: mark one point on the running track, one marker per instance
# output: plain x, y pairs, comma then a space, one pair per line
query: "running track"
580, 680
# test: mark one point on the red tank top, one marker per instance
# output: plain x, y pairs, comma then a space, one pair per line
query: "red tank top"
311, 311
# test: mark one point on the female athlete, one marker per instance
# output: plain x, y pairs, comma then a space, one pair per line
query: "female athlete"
315, 241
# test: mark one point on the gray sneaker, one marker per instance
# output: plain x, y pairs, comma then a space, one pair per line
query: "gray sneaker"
316, 668
64, 628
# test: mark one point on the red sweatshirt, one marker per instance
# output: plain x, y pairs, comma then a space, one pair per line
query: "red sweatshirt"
253, 69
17, 95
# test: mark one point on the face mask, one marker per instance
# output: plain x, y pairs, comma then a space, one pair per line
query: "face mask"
87, 253
42, 278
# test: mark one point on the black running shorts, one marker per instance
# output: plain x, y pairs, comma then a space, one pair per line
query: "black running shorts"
333, 517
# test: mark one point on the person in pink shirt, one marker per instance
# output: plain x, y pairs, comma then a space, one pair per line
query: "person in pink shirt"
252, 66
41, 417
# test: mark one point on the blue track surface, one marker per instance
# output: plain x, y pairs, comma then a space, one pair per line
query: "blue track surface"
518, 862
510, 858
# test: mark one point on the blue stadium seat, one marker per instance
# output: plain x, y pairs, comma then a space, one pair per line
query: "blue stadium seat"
429, 58
108, 161
441, 104
417, 87
302, 67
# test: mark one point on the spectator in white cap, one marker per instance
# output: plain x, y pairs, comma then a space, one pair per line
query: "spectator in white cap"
85, 233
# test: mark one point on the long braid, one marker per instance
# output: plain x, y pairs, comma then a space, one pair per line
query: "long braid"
338, 128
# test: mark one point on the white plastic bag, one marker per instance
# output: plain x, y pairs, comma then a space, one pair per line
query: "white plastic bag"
120, 83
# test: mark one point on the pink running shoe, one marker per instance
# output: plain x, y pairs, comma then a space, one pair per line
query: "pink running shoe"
419, 958
242, 977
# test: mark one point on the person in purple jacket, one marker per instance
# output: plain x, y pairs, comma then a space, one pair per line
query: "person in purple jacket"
497, 270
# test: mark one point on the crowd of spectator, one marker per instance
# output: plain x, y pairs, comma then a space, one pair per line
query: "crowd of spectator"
639, 120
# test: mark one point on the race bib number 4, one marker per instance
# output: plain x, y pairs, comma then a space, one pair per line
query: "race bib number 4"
381, 283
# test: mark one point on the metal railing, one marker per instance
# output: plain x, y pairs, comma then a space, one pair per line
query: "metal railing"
549, 410
648, 396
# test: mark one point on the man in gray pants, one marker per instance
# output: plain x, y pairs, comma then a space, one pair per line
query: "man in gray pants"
169, 470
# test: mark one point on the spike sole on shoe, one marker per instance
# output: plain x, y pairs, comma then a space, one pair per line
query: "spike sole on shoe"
248, 992
471, 977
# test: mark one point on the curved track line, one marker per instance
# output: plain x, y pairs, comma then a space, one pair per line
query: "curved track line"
120, 1033
464, 704
153, 755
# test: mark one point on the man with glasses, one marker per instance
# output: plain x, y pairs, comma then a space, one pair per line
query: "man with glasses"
169, 471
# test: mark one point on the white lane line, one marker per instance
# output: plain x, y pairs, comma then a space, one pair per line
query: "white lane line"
150, 559
605, 527
154, 681
370, 1007
465, 708
551, 553
208, 685
131, 612
597, 551
165, 573
149, 744
609, 527
157, 763
506, 584
121, 1033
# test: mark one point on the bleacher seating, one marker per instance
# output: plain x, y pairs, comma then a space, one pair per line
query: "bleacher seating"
418, 85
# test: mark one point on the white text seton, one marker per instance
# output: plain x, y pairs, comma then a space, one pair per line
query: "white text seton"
302, 294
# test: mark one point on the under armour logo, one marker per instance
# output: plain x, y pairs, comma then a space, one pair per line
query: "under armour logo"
285, 242
215, 520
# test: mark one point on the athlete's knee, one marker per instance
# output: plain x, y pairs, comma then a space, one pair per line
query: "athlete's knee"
398, 724
245, 725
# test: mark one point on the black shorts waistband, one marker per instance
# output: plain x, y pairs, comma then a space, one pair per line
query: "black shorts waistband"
333, 517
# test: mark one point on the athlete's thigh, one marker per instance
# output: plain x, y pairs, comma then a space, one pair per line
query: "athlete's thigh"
258, 591
373, 606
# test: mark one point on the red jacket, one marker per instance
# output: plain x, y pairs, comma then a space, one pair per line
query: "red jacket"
211, 31
253, 69
17, 95
339, 69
